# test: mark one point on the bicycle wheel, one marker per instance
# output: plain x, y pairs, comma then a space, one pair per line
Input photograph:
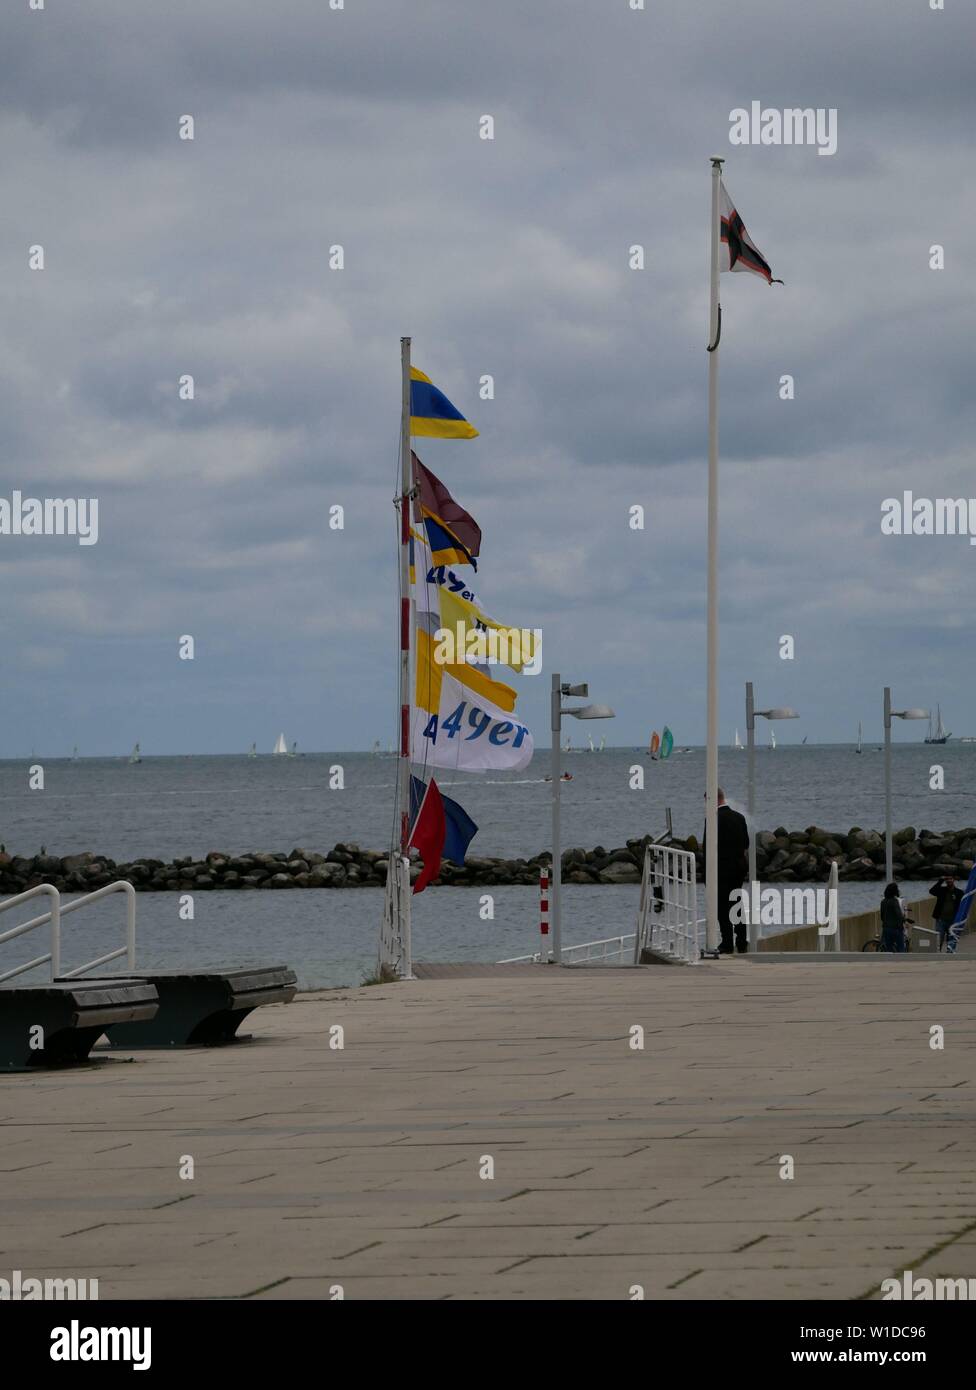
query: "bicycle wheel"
873, 945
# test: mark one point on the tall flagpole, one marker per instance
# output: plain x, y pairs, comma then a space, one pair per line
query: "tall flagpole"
403, 765
711, 762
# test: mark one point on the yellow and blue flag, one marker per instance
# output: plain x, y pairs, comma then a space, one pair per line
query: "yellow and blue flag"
432, 414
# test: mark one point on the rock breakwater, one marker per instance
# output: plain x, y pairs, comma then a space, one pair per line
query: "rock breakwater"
782, 856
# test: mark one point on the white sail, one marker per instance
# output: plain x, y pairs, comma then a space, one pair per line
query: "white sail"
738, 740
589, 740
252, 751
281, 746
135, 756
603, 743
859, 735
772, 738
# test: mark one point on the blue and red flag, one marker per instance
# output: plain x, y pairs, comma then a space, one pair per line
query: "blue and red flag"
441, 829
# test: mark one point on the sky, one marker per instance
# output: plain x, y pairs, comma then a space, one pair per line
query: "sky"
508, 257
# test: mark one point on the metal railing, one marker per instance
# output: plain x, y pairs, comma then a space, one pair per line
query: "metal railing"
54, 916
667, 917
583, 952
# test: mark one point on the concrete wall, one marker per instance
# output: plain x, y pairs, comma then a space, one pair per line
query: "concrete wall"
854, 931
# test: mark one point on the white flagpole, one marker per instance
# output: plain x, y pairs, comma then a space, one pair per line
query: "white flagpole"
711, 761
403, 765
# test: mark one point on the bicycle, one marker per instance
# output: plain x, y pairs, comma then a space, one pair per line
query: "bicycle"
874, 944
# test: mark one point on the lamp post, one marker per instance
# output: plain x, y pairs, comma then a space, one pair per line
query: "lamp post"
578, 712
752, 714
889, 715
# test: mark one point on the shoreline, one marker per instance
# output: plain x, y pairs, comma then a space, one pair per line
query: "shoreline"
782, 856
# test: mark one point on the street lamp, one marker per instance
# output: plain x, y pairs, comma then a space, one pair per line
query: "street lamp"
889, 715
578, 712
752, 714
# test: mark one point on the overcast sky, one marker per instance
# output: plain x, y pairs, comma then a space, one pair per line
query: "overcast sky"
510, 257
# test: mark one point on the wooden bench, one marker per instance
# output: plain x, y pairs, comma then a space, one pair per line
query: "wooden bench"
200, 1008
56, 1024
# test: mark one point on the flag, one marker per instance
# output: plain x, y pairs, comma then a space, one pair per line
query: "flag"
466, 732
741, 252
431, 413
442, 829
441, 590
428, 831
431, 672
445, 547
438, 504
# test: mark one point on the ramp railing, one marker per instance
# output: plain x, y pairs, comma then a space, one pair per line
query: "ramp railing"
57, 912
667, 917
54, 917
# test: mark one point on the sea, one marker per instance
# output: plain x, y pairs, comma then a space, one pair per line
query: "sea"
166, 807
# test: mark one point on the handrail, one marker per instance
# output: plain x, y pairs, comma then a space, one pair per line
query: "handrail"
54, 917
59, 910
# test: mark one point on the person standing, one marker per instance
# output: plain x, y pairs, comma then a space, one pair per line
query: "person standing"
892, 920
947, 899
733, 867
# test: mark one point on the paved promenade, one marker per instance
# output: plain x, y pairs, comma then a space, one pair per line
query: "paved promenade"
613, 1167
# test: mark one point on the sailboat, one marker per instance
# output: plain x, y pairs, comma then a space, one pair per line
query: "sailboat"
136, 755
940, 735
281, 747
667, 743
294, 750
74, 754
603, 744
567, 746
591, 743
376, 748
654, 745
858, 748
772, 739
738, 742
252, 752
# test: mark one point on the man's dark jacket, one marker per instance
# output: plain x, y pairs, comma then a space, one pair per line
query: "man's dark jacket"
947, 900
733, 845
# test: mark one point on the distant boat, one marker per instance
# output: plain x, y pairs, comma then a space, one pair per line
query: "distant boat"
376, 748
253, 751
667, 743
858, 748
738, 742
590, 742
136, 755
772, 738
74, 754
654, 745
281, 747
803, 739
940, 735
603, 744
968, 738
294, 751
567, 746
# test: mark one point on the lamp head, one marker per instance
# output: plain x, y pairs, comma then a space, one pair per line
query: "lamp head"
591, 712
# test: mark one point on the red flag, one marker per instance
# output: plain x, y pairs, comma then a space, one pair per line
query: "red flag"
429, 831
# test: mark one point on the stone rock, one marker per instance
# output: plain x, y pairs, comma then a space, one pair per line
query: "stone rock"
620, 872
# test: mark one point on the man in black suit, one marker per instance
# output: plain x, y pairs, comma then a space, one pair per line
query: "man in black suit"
733, 867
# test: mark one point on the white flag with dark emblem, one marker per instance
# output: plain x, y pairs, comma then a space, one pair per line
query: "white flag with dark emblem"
739, 251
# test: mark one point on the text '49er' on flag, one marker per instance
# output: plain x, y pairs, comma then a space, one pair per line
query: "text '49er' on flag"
739, 251
441, 829
432, 414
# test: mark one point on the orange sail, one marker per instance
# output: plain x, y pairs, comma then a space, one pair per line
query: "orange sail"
654, 744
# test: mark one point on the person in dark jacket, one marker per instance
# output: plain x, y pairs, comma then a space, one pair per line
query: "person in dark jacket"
733, 867
892, 920
947, 899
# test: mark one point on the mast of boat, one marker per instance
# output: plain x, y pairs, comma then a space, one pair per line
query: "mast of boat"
858, 736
